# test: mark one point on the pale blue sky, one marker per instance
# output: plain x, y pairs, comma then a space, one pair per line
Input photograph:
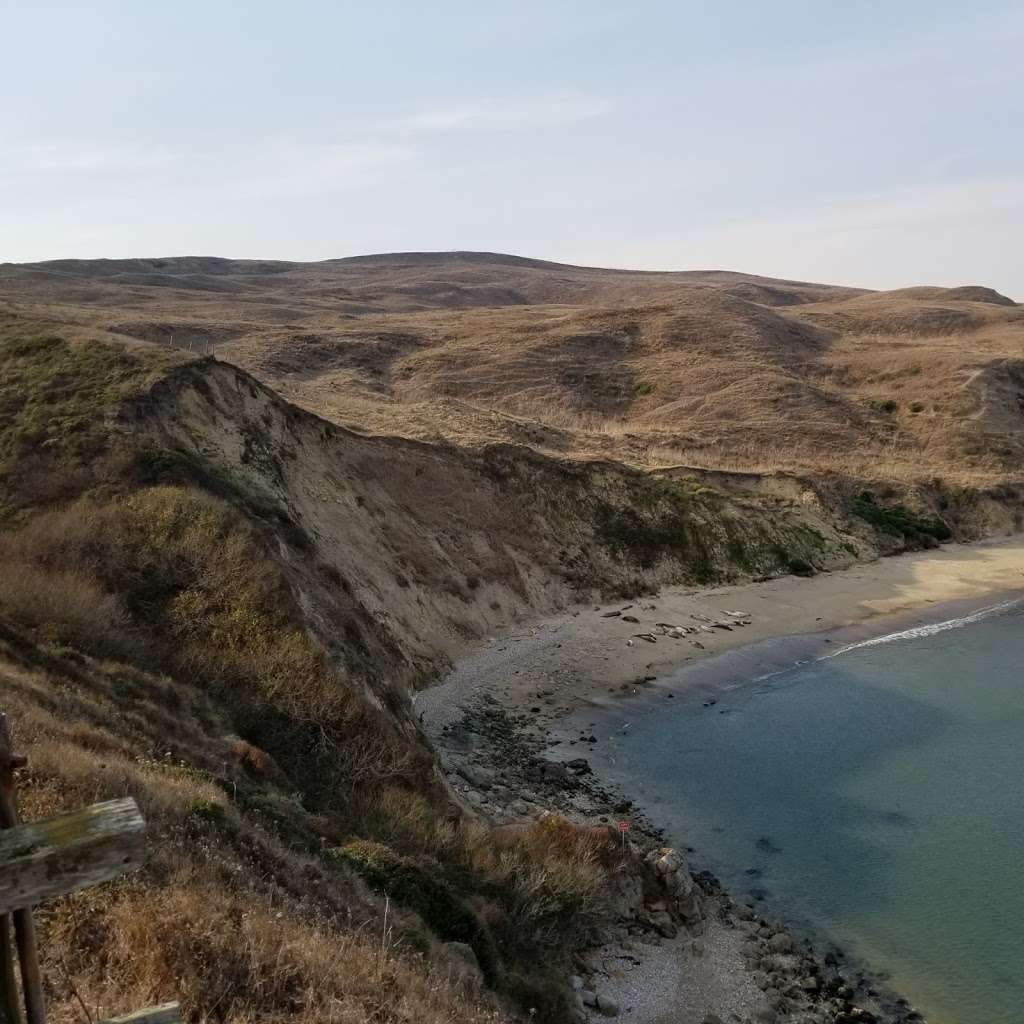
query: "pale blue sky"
878, 144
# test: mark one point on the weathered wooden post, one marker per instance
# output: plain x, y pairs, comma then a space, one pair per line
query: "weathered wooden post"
45, 859
24, 925
10, 1013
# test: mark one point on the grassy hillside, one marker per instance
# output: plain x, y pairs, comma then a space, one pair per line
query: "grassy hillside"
151, 643
704, 369
219, 603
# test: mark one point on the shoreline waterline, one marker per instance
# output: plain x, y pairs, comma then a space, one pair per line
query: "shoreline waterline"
738, 682
579, 664
760, 660
578, 656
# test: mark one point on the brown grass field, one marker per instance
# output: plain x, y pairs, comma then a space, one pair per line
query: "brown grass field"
708, 369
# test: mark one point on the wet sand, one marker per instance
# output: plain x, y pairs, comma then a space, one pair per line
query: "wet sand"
585, 654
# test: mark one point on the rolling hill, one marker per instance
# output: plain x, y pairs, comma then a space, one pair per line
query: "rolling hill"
705, 369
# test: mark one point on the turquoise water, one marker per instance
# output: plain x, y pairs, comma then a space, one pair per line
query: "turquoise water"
877, 796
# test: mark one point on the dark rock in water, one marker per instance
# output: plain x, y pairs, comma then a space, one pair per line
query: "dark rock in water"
591, 738
708, 883
710, 703
767, 846
754, 872
759, 894
580, 765
630, 618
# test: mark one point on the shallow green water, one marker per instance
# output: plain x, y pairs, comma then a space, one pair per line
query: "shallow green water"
877, 795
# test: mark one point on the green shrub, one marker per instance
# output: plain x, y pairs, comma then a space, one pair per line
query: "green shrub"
57, 402
899, 521
207, 811
799, 567
419, 887
885, 405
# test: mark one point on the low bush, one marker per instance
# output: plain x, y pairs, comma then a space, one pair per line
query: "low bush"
420, 887
184, 570
64, 606
899, 521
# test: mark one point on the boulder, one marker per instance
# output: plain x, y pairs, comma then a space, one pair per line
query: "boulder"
664, 924
553, 773
674, 873
478, 777
607, 1006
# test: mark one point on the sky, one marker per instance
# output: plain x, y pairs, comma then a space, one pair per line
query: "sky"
878, 144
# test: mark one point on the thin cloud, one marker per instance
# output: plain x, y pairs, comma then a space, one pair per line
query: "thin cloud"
296, 170
936, 232
503, 115
74, 158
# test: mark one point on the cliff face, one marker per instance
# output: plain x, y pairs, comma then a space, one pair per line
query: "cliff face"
401, 553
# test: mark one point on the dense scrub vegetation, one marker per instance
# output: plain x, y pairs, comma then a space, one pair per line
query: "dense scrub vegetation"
899, 521
150, 644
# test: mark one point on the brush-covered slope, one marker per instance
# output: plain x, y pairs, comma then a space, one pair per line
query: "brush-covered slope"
709, 369
220, 603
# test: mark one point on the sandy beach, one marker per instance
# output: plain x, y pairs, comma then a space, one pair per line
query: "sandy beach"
587, 653
600, 654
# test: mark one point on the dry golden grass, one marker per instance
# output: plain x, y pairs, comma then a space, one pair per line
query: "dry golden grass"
65, 606
182, 584
282, 786
182, 570
583, 362
239, 914
238, 924
552, 877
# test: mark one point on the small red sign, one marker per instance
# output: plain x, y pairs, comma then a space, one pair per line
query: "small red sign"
623, 826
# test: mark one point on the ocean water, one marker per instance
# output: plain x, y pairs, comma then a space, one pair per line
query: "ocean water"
876, 796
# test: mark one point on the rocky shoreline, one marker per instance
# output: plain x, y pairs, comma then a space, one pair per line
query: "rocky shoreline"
494, 721
673, 947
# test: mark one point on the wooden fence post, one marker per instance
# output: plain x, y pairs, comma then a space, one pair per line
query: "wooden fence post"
24, 925
10, 1013
51, 858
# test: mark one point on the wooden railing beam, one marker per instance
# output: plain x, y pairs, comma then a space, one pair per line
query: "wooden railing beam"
50, 858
